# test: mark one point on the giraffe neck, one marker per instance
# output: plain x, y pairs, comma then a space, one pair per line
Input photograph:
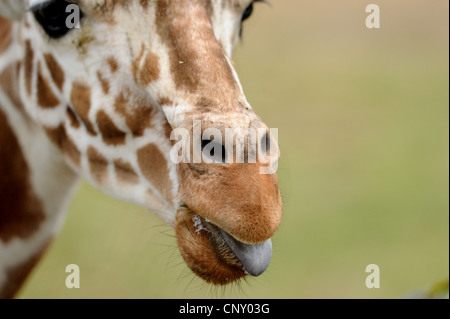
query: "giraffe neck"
35, 183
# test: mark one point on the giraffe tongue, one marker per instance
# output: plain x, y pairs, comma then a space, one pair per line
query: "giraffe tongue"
254, 258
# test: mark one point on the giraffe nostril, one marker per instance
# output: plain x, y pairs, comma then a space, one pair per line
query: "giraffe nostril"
213, 152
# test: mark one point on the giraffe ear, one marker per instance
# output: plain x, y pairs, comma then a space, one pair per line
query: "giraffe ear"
12, 9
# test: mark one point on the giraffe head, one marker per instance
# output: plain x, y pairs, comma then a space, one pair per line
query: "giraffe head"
111, 90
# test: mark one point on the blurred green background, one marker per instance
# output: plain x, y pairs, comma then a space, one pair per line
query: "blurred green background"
363, 119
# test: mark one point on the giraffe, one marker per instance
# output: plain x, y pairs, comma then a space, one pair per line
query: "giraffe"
99, 102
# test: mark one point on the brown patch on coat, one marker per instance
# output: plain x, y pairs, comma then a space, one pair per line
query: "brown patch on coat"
98, 165
60, 138
167, 130
200, 66
8, 81
205, 103
73, 119
125, 172
144, 4
165, 101
46, 97
155, 168
114, 66
5, 34
16, 276
183, 54
111, 134
104, 82
138, 118
149, 72
146, 68
28, 62
81, 102
55, 71
21, 211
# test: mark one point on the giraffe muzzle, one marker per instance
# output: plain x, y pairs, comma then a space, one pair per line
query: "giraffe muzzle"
215, 255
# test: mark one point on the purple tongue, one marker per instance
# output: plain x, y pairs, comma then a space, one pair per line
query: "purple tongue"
254, 258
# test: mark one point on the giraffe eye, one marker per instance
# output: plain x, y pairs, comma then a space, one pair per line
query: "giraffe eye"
55, 17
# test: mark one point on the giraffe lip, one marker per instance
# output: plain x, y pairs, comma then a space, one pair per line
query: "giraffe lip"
254, 258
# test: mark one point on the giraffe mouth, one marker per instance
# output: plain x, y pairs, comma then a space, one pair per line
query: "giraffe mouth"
213, 254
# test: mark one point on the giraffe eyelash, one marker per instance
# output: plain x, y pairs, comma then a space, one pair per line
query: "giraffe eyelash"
248, 12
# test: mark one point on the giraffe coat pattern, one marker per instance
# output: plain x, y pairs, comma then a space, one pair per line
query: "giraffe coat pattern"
100, 103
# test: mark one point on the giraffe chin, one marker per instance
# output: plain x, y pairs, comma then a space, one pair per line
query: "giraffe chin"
204, 249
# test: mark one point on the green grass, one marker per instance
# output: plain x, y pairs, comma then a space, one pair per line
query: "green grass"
363, 129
